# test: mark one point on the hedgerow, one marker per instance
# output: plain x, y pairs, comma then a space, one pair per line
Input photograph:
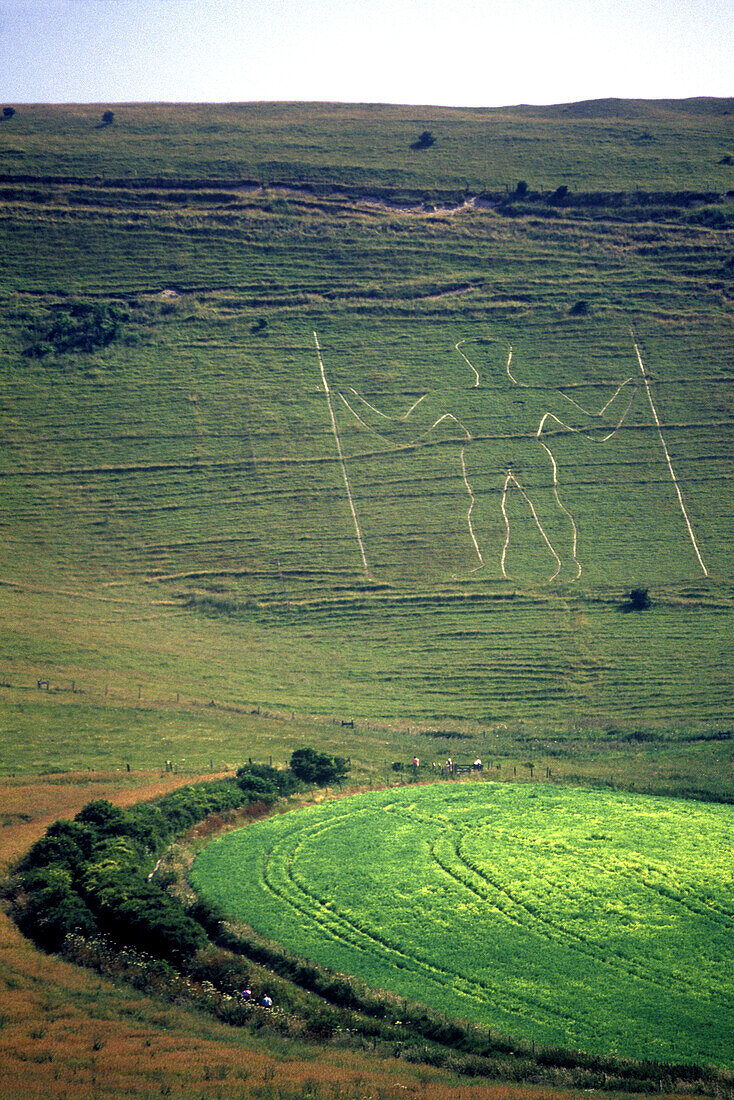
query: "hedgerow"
90, 876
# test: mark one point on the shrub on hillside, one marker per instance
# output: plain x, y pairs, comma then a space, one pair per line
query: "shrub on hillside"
103, 817
318, 767
49, 908
638, 600
65, 844
266, 783
425, 141
80, 327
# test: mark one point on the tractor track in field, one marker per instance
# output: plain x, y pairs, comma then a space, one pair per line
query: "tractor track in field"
550, 929
336, 925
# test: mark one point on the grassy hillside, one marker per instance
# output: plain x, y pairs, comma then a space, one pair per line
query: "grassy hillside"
607, 144
179, 557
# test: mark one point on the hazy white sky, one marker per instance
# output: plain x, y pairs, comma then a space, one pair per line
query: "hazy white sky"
451, 52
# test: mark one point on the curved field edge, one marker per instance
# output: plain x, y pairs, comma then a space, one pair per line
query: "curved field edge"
65, 1031
429, 1041
401, 892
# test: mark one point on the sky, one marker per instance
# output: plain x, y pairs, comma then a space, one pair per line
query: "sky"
464, 53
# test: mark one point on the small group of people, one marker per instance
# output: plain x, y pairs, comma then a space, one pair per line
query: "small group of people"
448, 767
266, 1000
451, 767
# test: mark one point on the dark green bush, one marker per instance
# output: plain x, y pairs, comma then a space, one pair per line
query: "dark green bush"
79, 327
90, 874
638, 600
49, 908
424, 141
258, 789
318, 767
208, 915
283, 779
65, 844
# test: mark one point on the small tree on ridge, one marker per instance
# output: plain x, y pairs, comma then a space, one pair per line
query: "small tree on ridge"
318, 767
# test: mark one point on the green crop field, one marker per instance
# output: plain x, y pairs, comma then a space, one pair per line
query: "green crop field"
577, 918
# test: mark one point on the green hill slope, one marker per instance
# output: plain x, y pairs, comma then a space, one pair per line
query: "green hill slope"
528, 414
604, 144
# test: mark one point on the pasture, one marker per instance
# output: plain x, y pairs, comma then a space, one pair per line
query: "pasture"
176, 520
572, 917
604, 145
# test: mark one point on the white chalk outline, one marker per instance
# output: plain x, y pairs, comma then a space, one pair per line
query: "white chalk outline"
476, 372
667, 455
582, 431
417, 441
400, 419
341, 458
470, 491
603, 409
510, 479
503, 504
468, 361
551, 456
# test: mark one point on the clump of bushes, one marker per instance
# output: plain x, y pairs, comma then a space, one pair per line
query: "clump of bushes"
90, 876
265, 783
637, 600
79, 327
425, 141
87, 876
318, 767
